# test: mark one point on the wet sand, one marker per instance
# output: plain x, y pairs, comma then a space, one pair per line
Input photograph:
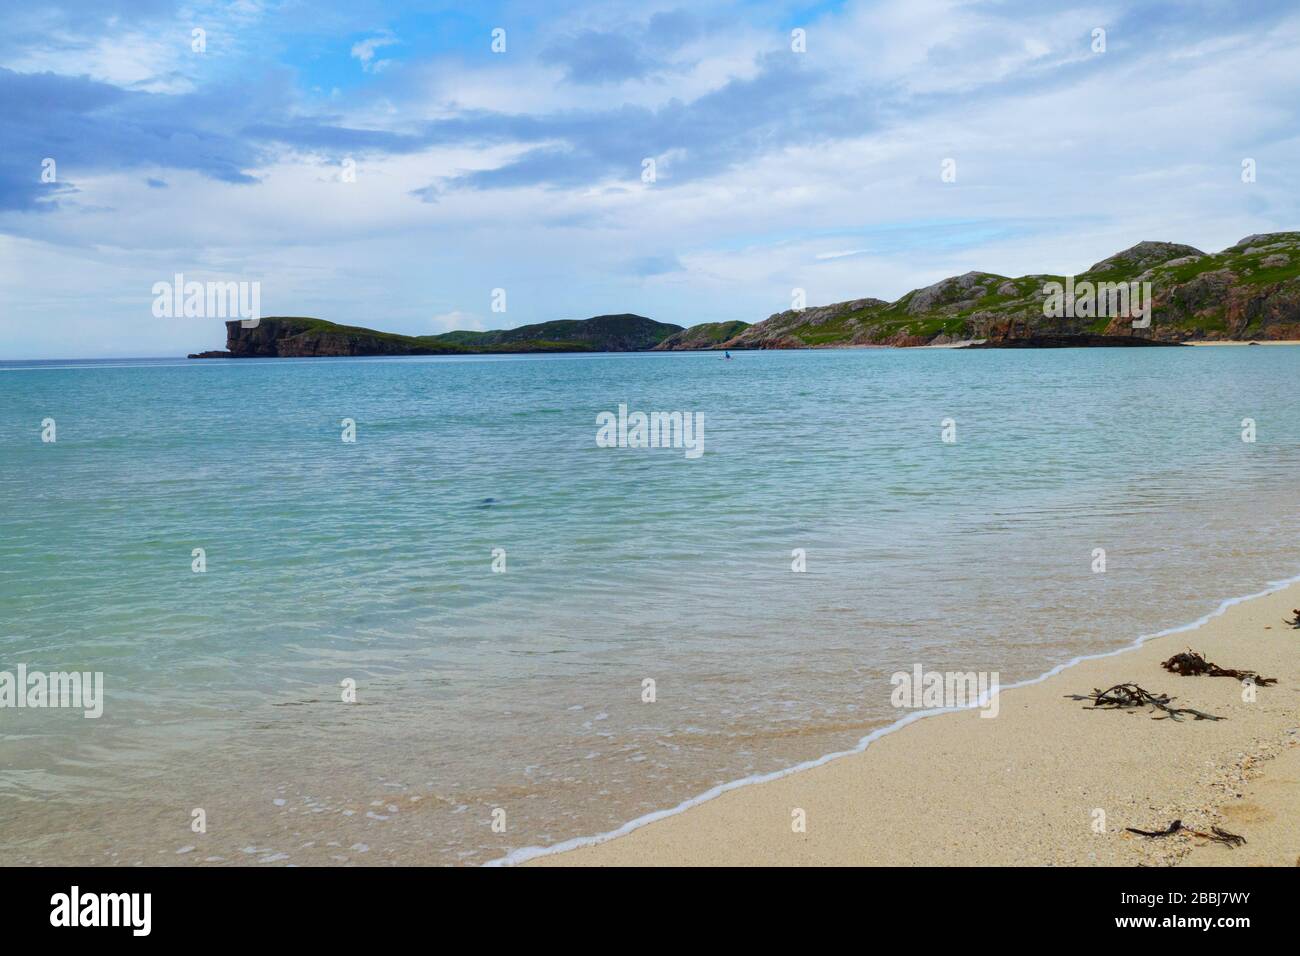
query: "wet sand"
1048, 781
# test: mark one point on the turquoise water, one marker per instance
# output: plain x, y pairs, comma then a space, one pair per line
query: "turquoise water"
372, 562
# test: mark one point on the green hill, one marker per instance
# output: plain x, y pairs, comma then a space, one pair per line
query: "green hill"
1249, 290
603, 333
302, 337
707, 335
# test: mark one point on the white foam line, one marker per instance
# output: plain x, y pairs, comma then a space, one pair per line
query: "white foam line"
528, 853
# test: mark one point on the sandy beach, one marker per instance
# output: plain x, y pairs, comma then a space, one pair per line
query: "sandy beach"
1048, 781
1246, 342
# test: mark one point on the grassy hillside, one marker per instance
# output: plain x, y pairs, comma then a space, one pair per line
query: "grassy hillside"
603, 333
706, 335
1250, 290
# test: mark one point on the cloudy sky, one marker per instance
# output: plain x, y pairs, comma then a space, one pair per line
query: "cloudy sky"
375, 162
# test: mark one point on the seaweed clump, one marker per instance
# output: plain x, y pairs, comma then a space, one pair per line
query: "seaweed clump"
1216, 834
1132, 696
1192, 664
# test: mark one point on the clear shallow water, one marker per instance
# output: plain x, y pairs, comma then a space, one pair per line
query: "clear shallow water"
372, 561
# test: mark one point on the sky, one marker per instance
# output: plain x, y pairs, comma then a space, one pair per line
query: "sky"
379, 163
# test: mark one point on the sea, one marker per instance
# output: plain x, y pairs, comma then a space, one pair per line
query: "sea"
416, 611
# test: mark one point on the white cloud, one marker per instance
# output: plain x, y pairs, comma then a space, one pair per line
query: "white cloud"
457, 321
151, 62
1063, 158
364, 50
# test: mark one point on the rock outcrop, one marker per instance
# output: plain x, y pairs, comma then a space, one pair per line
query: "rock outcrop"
298, 337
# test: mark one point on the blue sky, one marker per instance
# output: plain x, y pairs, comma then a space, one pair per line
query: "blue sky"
522, 170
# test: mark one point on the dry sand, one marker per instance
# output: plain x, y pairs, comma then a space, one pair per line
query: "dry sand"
1247, 342
1026, 786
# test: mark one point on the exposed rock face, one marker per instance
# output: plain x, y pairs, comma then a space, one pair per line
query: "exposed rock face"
1205, 291
1263, 241
1144, 255
283, 337
1248, 291
967, 288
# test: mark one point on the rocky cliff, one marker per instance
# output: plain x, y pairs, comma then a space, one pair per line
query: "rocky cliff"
297, 337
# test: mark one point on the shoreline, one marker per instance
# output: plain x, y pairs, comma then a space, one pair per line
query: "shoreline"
1243, 342
184, 360
862, 804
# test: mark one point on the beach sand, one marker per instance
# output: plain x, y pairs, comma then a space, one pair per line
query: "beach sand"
1026, 786
1247, 342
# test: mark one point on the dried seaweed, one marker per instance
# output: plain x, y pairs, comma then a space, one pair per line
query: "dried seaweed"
1123, 696
1192, 664
1173, 828
1222, 836
1296, 621
1216, 834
